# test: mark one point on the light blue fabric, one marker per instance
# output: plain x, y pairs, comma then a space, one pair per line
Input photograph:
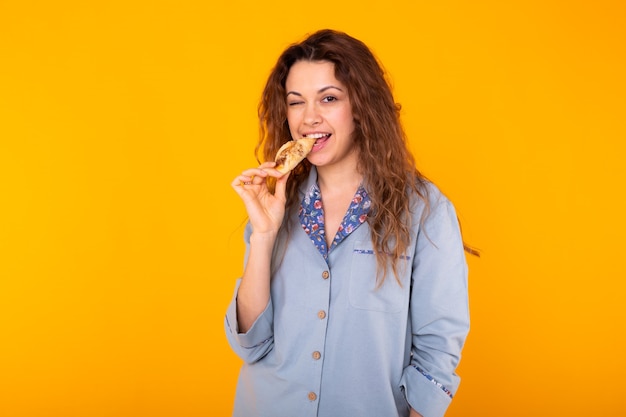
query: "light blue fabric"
370, 340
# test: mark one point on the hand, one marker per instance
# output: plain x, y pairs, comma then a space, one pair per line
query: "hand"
414, 413
265, 210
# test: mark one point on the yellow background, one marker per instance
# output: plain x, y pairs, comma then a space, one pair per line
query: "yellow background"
122, 124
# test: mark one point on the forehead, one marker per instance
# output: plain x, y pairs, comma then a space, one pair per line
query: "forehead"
311, 74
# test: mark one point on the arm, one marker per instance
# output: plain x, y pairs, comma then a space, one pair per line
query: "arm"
439, 312
254, 290
266, 212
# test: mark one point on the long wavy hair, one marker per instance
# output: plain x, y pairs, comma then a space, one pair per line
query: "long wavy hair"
384, 160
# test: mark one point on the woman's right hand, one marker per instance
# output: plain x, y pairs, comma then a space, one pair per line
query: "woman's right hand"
265, 210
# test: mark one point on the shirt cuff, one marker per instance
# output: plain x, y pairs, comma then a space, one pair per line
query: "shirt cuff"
252, 344
431, 379
424, 394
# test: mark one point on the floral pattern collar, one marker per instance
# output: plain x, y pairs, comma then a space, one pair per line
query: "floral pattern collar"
312, 217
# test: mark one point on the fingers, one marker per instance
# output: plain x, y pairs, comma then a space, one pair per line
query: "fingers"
256, 176
268, 168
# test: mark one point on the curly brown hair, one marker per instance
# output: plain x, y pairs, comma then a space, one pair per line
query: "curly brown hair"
385, 162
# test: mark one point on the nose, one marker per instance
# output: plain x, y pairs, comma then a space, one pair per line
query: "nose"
312, 116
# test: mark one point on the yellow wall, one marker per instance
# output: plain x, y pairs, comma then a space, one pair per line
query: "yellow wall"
122, 123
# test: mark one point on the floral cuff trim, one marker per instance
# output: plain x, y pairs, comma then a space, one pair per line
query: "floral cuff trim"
431, 379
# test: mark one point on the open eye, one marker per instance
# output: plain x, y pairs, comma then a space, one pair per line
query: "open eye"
329, 99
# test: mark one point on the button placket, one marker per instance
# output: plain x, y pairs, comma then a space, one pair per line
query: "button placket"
321, 314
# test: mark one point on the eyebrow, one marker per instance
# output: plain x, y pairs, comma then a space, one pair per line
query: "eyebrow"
321, 90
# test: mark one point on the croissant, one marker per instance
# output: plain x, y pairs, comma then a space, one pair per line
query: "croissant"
292, 153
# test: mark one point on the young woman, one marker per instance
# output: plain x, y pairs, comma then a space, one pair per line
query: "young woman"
353, 299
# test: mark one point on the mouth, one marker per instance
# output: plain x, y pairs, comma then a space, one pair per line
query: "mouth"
321, 138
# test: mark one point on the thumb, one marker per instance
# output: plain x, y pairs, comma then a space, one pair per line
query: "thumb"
281, 187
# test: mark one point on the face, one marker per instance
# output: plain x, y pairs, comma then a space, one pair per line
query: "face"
318, 106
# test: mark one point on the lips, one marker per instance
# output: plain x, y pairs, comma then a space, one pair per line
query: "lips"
322, 138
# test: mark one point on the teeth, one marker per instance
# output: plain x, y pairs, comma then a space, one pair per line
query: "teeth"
315, 135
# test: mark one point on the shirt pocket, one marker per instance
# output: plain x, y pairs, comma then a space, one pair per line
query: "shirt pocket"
365, 294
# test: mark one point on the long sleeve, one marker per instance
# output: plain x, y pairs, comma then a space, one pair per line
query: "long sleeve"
258, 340
439, 312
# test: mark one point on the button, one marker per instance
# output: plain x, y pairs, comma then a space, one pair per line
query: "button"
316, 355
325, 274
321, 314
312, 396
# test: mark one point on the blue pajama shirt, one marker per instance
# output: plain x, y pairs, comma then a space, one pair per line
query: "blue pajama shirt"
331, 344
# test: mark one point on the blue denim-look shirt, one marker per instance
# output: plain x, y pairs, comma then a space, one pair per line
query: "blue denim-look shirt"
331, 344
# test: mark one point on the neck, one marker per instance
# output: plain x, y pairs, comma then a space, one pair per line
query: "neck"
338, 179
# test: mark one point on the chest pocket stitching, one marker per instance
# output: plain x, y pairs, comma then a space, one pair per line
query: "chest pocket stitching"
363, 292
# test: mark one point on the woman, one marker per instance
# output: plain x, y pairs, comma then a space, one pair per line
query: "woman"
353, 299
